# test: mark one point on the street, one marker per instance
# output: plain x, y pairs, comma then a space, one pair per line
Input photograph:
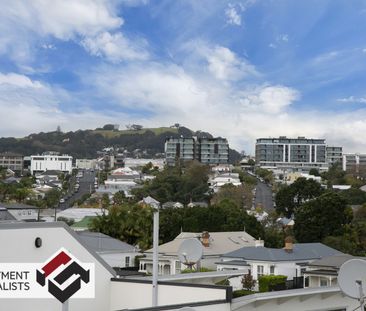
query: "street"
86, 186
263, 196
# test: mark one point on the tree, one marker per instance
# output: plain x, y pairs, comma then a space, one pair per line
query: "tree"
129, 223
314, 172
105, 201
108, 127
119, 197
321, 217
247, 281
289, 198
52, 198
231, 192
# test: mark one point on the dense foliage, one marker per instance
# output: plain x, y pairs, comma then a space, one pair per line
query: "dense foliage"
324, 216
271, 282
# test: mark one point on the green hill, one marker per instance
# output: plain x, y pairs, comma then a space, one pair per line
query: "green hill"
86, 143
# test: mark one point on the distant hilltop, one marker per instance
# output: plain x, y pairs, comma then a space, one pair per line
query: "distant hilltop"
85, 143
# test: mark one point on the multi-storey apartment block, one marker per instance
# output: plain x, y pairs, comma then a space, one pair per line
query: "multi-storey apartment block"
291, 153
205, 150
51, 161
11, 161
334, 154
354, 163
213, 150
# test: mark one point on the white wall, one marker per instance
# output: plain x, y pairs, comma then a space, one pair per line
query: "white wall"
51, 162
22, 249
119, 259
140, 295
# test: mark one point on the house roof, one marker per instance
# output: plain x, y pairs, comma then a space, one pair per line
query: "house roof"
17, 206
50, 173
84, 223
5, 215
101, 243
301, 252
220, 243
334, 261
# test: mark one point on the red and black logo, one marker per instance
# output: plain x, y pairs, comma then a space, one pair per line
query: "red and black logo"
54, 283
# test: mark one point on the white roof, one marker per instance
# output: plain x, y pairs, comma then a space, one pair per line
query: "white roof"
220, 243
79, 213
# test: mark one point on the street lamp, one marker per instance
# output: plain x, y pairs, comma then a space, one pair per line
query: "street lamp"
155, 205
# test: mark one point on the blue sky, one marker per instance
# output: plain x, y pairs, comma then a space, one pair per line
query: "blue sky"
240, 69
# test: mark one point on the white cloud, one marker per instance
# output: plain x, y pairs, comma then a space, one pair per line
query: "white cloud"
225, 65
19, 81
116, 47
352, 99
91, 22
233, 16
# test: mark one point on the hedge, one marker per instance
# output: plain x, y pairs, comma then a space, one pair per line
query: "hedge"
270, 282
242, 292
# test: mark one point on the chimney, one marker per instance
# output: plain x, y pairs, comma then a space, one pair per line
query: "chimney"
289, 245
205, 239
259, 243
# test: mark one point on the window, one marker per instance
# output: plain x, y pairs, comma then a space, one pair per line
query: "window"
323, 282
260, 271
272, 270
127, 261
177, 267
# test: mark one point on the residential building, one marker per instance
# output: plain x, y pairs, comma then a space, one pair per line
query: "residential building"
51, 161
289, 261
138, 163
216, 182
86, 164
213, 150
354, 163
297, 154
334, 154
12, 161
116, 253
38, 242
179, 149
20, 211
324, 272
205, 150
214, 244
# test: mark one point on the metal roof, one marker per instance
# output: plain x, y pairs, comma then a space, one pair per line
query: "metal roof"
301, 252
102, 243
333, 261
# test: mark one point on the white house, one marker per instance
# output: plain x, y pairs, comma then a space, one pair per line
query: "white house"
20, 211
289, 261
224, 179
215, 244
51, 161
86, 164
115, 252
324, 272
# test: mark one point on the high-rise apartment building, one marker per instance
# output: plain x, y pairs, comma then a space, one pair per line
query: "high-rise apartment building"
334, 154
354, 163
205, 150
11, 161
291, 153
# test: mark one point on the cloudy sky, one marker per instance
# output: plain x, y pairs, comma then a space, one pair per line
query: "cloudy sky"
238, 69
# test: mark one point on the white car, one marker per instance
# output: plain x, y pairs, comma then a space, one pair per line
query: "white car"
62, 200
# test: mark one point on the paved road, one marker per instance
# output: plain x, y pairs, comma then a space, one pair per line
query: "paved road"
263, 195
86, 186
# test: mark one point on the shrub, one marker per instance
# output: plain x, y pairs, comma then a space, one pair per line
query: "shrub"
271, 282
242, 292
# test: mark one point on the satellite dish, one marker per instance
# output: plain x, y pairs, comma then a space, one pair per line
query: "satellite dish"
190, 251
352, 278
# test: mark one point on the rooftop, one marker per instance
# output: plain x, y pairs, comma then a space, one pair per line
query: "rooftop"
334, 261
220, 242
301, 251
102, 243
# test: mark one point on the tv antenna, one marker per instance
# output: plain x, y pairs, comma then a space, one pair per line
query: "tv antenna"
352, 280
190, 252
